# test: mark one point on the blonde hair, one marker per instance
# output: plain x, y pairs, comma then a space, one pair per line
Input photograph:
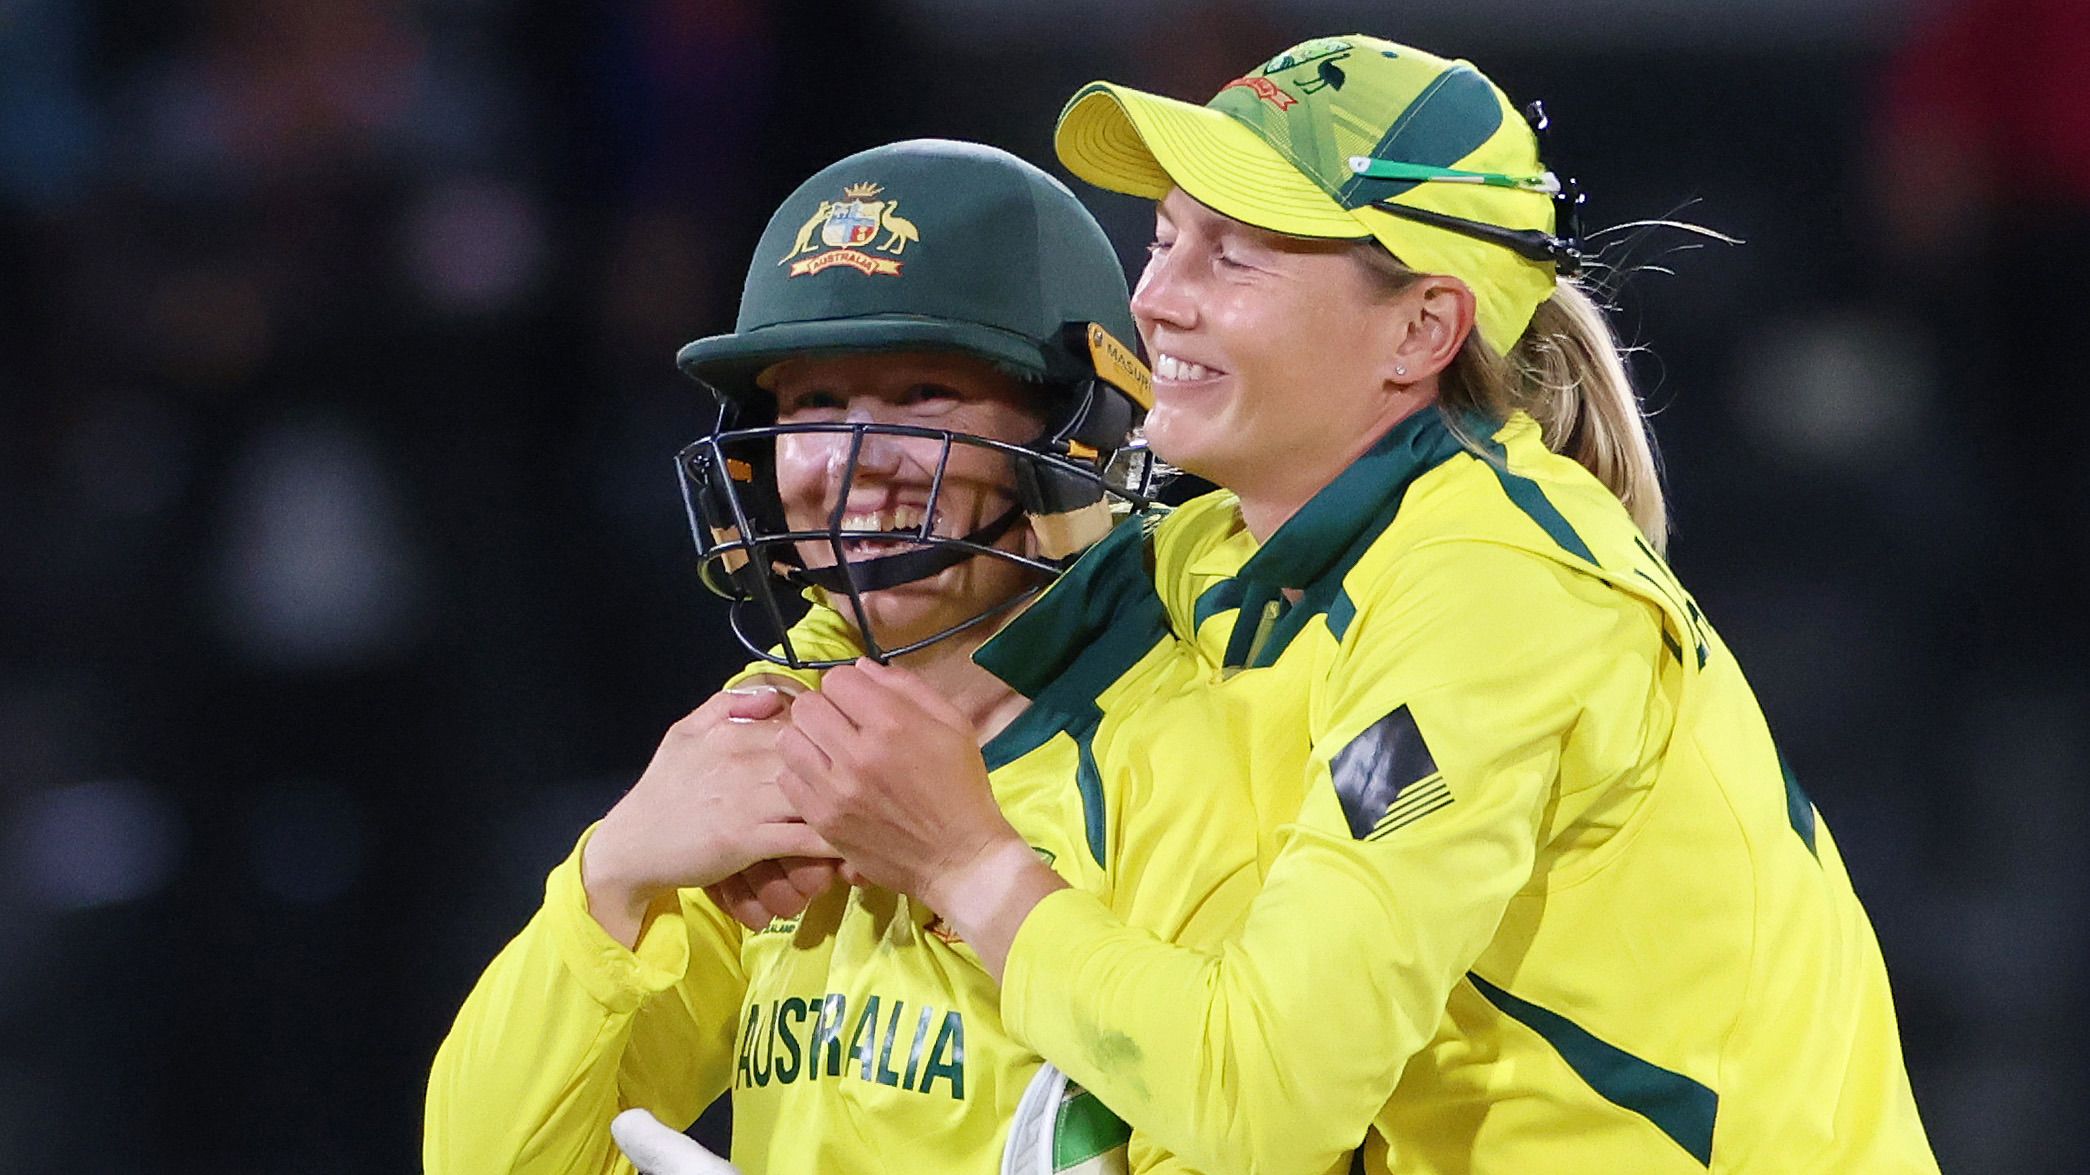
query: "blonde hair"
1568, 373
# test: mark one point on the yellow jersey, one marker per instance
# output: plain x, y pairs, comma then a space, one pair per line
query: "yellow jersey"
1545, 896
863, 1035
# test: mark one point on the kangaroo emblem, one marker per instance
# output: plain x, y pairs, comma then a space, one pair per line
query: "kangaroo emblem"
805, 233
839, 232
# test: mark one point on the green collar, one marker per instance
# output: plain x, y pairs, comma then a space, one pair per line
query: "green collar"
1109, 592
1317, 546
1103, 614
1087, 631
1313, 541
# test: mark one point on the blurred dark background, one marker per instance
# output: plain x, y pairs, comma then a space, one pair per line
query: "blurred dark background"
343, 575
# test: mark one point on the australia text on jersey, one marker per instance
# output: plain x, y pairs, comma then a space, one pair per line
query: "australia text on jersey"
795, 1039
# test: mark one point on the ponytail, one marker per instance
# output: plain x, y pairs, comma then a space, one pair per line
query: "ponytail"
1566, 373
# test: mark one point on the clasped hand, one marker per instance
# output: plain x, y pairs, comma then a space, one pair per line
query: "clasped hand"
890, 773
758, 794
707, 811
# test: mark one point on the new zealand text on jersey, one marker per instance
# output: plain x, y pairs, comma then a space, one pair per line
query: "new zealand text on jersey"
796, 1039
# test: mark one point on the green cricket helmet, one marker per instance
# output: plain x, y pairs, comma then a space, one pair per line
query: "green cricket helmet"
924, 245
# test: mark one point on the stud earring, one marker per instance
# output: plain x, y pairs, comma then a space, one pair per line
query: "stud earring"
1399, 370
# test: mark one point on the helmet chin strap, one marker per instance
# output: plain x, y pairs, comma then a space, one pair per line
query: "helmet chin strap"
886, 571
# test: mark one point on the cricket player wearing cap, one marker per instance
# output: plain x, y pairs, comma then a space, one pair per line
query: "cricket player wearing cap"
924, 412
1550, 899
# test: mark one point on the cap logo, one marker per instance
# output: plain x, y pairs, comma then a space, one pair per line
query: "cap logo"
1265, 89
1321, 55
1317, 58
839, 232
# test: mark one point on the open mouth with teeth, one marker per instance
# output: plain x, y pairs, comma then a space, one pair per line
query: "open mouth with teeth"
1175, 369
895, 525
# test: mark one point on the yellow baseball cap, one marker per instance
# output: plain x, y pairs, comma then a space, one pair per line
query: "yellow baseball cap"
1349, 137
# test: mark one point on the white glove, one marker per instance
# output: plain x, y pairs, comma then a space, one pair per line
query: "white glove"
656, 1150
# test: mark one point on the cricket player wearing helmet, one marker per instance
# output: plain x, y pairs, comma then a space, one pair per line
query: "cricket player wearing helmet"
1549, 899
924, 410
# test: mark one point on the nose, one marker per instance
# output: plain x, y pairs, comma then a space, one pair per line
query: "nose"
1163, 297
813, 469
877, 460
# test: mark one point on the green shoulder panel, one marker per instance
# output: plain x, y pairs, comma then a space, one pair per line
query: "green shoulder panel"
1098, 621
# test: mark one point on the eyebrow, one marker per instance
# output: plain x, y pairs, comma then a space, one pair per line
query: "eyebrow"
1227, 226
1284, 243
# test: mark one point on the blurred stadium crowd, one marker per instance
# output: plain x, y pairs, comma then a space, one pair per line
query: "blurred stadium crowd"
343, 575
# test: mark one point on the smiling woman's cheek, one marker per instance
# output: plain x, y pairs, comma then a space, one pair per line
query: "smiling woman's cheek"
801, 472
811, 478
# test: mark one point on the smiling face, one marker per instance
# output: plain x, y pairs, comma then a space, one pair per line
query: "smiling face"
1277, 360
894, 475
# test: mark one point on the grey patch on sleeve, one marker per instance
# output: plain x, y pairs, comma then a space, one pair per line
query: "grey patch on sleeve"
1377, 766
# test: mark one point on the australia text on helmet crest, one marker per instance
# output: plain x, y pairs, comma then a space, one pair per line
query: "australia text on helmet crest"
853, 231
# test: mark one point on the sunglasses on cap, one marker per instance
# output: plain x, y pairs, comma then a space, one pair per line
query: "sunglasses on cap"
1562, 250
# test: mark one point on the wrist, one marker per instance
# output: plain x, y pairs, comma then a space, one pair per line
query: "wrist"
616, 900
962, 884
987, 899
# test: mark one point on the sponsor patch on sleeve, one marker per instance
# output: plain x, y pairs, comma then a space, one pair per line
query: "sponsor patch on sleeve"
1387, 779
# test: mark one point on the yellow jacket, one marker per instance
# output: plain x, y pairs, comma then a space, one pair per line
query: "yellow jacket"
1545, 899
864, 1035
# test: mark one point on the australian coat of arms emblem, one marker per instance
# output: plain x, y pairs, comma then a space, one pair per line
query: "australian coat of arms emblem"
848, 231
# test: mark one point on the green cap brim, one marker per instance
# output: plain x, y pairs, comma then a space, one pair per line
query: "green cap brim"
731, 363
